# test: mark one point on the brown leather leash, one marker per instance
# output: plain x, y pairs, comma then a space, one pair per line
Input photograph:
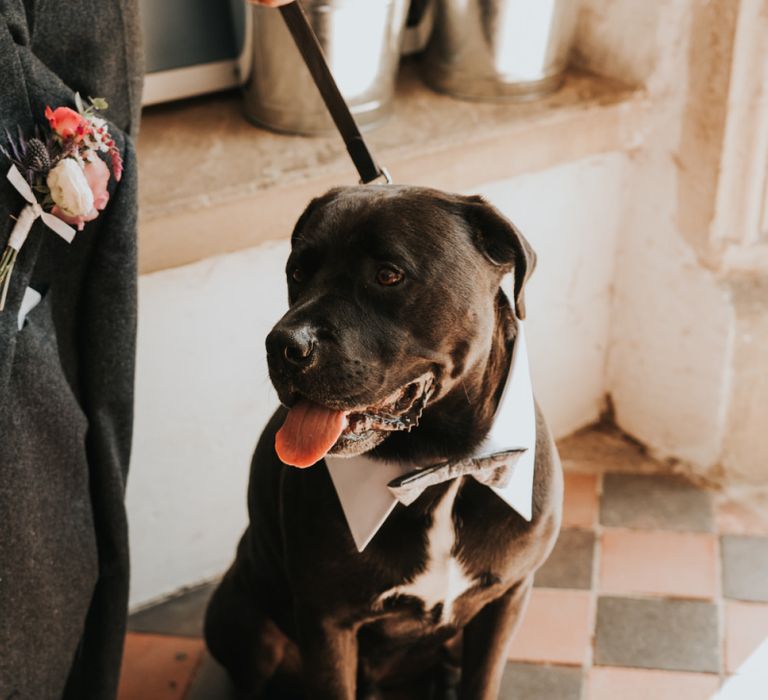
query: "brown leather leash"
312, 53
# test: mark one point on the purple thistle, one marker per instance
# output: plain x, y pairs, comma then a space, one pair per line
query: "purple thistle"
37, 157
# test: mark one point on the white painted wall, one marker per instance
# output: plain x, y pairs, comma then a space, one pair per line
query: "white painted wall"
689, 329
202, 397
571, 215
203, 394
671, 343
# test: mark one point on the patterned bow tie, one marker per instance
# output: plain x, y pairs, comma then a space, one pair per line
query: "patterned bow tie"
492, 470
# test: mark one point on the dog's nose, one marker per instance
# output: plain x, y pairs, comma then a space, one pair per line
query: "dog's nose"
296, 346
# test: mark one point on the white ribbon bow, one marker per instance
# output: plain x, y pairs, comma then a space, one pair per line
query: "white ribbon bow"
29, 214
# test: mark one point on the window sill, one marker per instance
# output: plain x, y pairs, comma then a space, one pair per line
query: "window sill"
211, 183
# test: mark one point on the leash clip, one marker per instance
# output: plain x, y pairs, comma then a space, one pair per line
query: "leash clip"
383, 173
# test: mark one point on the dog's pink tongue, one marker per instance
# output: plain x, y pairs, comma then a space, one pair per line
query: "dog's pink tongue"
309, 431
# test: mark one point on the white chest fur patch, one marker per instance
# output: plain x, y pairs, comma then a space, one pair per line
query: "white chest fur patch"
444, 578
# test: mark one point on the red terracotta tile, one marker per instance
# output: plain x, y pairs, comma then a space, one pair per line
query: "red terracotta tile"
608, 683
658, 563
157, 667
581, 503
746, 627
556, 628
739, 517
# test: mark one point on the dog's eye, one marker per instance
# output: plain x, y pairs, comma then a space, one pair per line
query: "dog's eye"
297, 275
388, 276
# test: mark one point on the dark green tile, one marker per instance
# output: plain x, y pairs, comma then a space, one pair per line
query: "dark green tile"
655, 502
180, 616
745, 567
570, 564
540, 682
675, 635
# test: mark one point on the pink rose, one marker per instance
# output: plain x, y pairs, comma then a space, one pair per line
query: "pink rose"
67, 123
97, 175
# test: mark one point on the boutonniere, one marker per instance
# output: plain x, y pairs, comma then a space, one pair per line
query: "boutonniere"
61, 174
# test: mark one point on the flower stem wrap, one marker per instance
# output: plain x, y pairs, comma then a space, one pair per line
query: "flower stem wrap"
29, 214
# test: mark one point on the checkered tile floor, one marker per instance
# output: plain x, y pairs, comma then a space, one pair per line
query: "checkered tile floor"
656, 589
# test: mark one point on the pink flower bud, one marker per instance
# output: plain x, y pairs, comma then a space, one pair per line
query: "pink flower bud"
67, 123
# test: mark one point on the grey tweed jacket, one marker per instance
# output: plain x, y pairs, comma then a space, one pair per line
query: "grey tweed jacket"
66, 378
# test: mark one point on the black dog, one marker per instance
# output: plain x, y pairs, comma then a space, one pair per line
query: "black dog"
397, 343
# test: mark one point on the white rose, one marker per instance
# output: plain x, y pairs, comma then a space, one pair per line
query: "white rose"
69, 188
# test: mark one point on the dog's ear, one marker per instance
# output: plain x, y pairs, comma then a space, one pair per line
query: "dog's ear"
312, 207
502, 243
